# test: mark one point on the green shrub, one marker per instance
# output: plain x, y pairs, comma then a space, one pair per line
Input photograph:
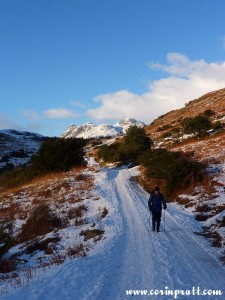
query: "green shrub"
208, 113
5, 158
19, 154
59, 155
128, 151
183, 172
176, 169
111, 153
136, 136
199, 124
55, 155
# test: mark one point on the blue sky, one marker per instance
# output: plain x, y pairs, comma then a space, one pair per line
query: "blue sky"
74, 61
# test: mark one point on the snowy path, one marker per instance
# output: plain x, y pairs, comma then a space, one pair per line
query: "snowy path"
132, 257
176, 258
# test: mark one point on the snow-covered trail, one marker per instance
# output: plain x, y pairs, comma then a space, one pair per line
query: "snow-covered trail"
176, 258
132, 257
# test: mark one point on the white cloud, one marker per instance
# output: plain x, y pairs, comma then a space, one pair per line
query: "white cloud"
59, 113
7, 122
187, 80
30, 114
53, 113
179, 65
77, 104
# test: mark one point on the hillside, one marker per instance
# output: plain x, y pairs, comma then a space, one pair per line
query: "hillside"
166, 130
51, 219
214, 101
17, 147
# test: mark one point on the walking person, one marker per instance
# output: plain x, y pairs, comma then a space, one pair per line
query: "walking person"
155, 203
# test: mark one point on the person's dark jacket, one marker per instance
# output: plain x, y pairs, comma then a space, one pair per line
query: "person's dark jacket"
155, 202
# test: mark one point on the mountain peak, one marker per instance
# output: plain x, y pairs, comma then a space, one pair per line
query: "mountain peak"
89, 130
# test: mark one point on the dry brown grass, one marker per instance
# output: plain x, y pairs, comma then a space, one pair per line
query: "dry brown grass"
202, 208
79, 250
219, 208
222, 222
201, 217
76, 212
85, 185
7, 265
82, 177
183, 201
215, 238
51, 188
75, 199
35, 202
92, 233
209, 149
9, 211
45, 193
41, 221
94, 169
208, 187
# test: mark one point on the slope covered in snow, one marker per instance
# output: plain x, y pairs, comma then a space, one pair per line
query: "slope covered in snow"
17, 147
131, 257
89, 130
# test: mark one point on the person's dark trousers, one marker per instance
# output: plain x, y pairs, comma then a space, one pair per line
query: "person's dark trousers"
156, 218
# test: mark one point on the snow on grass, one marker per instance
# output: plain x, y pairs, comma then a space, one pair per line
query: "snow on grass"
75, 198
207, 202
128, 255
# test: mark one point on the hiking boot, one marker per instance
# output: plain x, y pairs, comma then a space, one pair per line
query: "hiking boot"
153, 229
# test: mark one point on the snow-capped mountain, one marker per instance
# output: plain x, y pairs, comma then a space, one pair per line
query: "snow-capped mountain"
89, 130
17, 147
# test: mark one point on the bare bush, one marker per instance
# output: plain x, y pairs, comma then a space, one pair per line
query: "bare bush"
6, 239
76, 251
91, 233
42, 246
82, 177
203, 208
41, 221
104, 213
7, 265
77, 212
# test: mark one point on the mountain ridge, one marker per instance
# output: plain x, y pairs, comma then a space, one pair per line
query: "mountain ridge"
89, 130
17, 147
